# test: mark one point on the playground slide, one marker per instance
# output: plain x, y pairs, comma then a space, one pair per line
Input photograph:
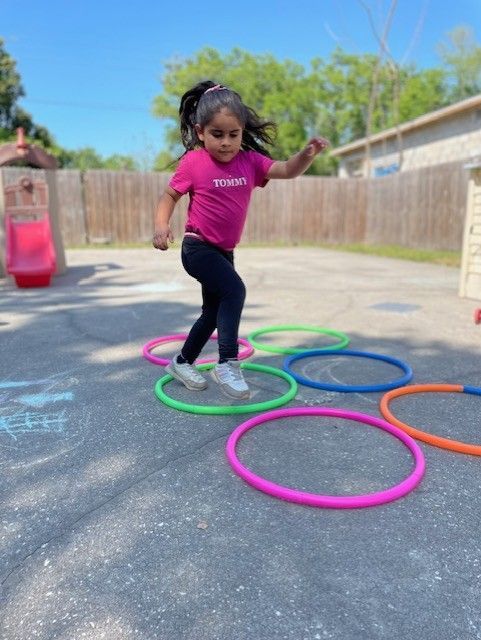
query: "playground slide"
30, 252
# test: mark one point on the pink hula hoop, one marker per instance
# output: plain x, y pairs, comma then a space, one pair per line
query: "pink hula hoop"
178, 337
317, 500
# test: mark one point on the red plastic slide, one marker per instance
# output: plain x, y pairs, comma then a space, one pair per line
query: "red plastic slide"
30, 251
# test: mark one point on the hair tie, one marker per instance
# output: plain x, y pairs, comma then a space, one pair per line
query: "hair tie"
217, 87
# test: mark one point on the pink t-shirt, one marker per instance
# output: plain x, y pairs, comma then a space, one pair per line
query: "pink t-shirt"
219, 192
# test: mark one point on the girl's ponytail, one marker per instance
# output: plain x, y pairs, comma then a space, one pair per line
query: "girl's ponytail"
187, 113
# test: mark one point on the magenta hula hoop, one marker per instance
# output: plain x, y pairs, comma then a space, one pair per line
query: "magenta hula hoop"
314, 499
181, 337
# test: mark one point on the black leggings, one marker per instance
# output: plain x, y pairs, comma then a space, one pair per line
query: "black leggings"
223, 295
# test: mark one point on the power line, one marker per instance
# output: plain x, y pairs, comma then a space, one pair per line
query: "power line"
89, 105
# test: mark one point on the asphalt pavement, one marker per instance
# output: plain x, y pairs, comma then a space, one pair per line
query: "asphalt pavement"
122, 518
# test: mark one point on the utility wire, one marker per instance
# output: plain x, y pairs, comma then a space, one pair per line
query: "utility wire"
88, 105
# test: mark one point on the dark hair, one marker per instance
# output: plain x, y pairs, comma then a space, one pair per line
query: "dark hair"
199, 107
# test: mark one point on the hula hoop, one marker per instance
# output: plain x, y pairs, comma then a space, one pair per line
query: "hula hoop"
230, 409
437, 441
314, 499
408, 374
343, 339
147, 348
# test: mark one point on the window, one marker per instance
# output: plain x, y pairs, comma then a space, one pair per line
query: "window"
386, 170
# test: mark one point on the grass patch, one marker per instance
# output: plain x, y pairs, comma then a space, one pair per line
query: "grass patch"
446, 258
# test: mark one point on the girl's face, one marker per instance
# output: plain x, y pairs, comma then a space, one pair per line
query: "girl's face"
222, 136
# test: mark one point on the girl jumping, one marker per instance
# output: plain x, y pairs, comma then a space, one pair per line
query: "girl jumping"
225, 160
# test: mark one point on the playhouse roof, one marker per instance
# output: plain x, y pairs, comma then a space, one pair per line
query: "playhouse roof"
22, 153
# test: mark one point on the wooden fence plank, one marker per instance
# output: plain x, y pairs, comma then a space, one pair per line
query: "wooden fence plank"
72, 208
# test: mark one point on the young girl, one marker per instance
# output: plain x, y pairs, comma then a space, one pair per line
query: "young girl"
225, 160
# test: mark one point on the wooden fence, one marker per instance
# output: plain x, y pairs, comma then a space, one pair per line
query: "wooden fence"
423, 208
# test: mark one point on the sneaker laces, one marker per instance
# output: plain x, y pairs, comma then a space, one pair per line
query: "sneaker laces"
230, 372
190, 370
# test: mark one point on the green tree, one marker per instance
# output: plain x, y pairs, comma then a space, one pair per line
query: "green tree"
278, 91
11, 90
344, 87
11, 114
421, 92
165, 161
83, 159
462, 57
119, 162
88, 158
332, 98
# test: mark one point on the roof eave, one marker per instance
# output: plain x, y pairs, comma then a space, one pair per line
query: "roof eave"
421, 121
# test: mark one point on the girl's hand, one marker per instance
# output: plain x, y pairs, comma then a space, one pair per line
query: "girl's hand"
299, 162
315, 146
162, 237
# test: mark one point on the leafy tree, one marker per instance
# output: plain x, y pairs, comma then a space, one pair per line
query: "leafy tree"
462, 57
421, 92
331, 98
278, 91
119, 162
344, 86
12, 115
11, 89
88, 158
83, 159
164, 161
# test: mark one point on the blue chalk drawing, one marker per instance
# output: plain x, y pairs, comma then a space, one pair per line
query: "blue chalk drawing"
30, 422
20, 423
14, 384
9, 384
41, 399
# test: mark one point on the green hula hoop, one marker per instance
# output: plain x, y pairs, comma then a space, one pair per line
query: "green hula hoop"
229, 409
343, 339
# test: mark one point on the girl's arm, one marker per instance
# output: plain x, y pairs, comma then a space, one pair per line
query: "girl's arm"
299, 162
163, 233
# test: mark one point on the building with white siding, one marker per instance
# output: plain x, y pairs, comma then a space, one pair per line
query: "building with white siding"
445, 135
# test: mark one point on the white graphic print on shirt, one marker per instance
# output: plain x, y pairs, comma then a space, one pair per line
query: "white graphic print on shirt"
229, 182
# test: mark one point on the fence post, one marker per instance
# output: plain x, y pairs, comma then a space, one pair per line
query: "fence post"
53, 210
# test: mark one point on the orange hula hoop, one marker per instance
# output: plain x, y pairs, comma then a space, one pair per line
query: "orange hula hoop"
437, 441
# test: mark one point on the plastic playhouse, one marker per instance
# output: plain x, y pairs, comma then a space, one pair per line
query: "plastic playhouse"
30, 247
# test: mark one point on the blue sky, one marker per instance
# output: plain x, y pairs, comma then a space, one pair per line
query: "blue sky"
90, 70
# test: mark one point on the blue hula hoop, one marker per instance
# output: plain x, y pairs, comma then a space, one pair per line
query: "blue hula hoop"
326, 386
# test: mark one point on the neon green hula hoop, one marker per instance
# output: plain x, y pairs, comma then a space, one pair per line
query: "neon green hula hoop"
343, 339
229, 409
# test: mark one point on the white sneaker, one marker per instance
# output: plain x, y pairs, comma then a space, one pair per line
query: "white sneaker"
229, 376
187, 374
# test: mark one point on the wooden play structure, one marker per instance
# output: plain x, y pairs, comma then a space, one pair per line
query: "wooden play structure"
470, 280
